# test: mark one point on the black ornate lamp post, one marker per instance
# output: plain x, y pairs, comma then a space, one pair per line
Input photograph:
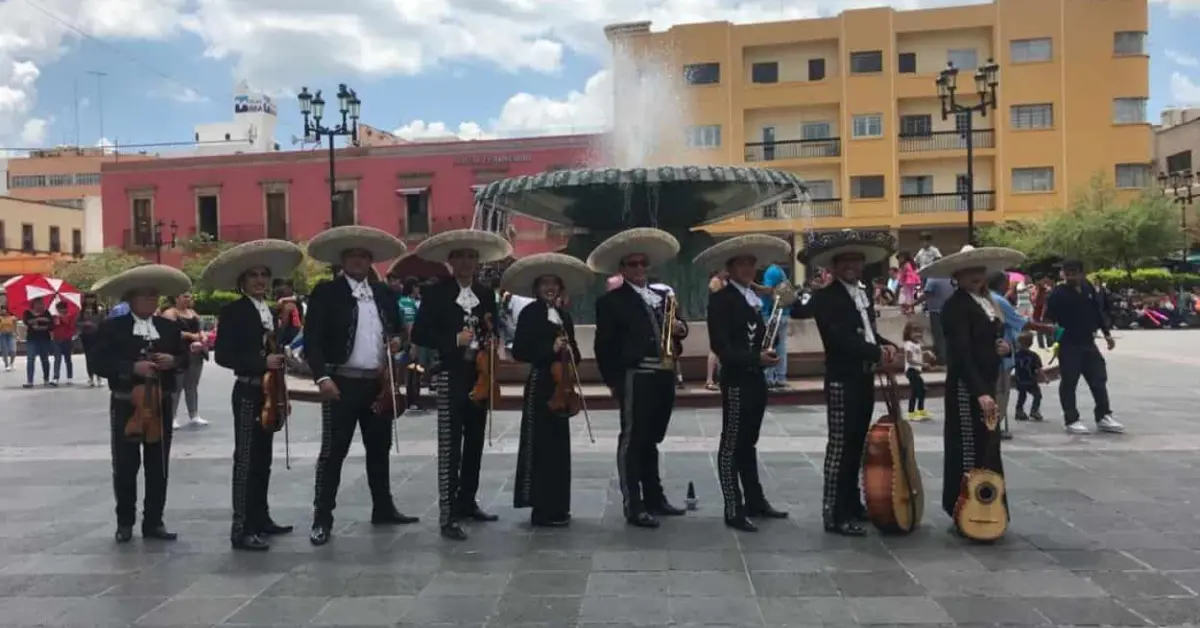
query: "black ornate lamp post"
349, 106
985, 86
1179, 186
158, 243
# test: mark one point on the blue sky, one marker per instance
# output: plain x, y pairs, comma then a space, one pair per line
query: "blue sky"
171, 64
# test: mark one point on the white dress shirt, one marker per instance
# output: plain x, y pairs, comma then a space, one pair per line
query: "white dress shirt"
652, 298
860, 301
751, 298
144, 328
367, 351
264, 313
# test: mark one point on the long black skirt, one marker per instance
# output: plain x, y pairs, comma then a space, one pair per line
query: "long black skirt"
543, 478
968, 443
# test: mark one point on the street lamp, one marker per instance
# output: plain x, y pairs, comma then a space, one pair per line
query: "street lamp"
156, 238
349, 106
985, 86
1179, 186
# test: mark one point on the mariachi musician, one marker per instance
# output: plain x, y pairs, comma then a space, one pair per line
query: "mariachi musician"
139, 354
736, 335
854, 351
544, 339
352, 328
250, 344
457, 320
635, 338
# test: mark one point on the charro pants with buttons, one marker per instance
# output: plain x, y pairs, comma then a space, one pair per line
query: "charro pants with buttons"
338, 420
849, 405
743, 404
128, 456
647, 398
252, 454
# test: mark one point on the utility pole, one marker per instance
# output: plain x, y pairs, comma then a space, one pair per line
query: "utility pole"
100, 96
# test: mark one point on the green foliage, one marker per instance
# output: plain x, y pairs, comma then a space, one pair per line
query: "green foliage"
86, 271
1144, 279
309, 273
197, 256
210, 303
1102, 228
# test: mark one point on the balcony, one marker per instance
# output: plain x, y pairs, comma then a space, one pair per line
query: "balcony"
945, 202
133, 239
817, 208
947, 140
231, 234
793, 149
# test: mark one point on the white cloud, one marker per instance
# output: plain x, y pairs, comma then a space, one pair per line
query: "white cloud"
1184, 91
33, 133
1180, 6
180, 94
1182, 58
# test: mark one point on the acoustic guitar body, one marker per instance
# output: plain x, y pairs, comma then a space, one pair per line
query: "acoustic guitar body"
981, 513
891, 480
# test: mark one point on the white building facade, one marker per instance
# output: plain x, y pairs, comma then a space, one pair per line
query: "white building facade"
252, 129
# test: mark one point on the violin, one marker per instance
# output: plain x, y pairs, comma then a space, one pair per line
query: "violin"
146, 423
390, 403
566, 399
276, 405
486, 390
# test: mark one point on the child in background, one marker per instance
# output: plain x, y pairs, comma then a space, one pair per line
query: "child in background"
910, 282
1028, 375
914, 362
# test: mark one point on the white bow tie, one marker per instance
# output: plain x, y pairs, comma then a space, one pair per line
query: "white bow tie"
144, 328
467, 299
553, 316
651, 297
264, 314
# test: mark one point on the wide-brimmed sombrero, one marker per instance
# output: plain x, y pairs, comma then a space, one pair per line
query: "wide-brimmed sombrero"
164, 280
520, 277
280, 257
822, 248
491, 247
992, 259
765, 249
329, 245
657, 245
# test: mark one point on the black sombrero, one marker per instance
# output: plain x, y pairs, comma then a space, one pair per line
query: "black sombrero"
821, 248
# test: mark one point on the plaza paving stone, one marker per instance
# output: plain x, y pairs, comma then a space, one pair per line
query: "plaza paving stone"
1105, 530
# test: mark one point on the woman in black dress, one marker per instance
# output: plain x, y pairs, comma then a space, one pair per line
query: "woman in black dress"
973, 327
545, 335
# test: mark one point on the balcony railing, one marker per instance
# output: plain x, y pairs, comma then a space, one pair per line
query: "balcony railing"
132, 239
234, 234
945, 202
793, 149
793, 210
947, 140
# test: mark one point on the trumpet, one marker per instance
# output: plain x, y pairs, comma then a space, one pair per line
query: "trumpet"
667, 350
785, 296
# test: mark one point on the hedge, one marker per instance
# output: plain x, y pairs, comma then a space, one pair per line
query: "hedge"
1144, 279
210, 303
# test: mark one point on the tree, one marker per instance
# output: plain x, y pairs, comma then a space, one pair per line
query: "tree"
86, 271
197, 255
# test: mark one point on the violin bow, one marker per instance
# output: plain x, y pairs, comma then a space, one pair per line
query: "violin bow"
587, 420
287, 410
390, 366
491, 381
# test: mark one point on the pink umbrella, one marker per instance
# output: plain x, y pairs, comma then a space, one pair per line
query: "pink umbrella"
51, 291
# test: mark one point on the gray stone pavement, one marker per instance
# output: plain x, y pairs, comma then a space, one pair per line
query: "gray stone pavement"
1106, 529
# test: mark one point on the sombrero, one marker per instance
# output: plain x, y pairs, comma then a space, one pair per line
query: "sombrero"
492, 247
160, 278
764, 248
992, 259
329, 245
520, 277
874, 246
278, 256
657, 245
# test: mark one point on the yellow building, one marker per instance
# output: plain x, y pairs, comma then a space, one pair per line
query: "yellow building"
849, 103
33, 235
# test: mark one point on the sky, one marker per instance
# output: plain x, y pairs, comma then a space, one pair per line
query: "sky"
143, 71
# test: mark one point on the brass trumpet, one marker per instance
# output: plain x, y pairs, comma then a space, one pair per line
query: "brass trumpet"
785, 296
667, 350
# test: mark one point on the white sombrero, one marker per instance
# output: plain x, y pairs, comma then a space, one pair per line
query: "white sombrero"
329, 245
162, 279
280, 257
491, 247
657, 245
520, 277
765, 249
992, 259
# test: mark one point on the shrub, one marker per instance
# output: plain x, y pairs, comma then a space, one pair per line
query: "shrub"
1144, 279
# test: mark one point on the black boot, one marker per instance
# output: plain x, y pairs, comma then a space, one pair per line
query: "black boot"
473, 512
454, 532
740, 522
270, 528
124, 534
764, 510
320, 533
642, 520
663, 508
540, 520
388, 515
250, 543
158, 532
843, 526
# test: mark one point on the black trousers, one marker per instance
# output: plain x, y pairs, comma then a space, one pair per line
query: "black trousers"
1084, 360
412, 388
128, 457
338, 420
850, 403
1034, 392
939, 336
743, 404
647, 399
461, 425
252, 454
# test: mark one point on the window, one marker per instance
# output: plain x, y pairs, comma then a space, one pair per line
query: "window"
277, 220
1135, 176
496, 221
1026, 50
703, 136
918, 185
962, 183
1033, 179
816, 131
1129, 110
962, 122
868, 125
1180, 162
207, 223
60, 180
966, 59
27, 181
87, 178
916, 125
820, 190
55, 240
416, 211
142, 215
702, 73
76, 242
870, 186
69, 203
226, 137
765, 72
1033, 116
1129, 43
343, 208
816, 69
27, 238
907, 63
3, 238
866, 62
